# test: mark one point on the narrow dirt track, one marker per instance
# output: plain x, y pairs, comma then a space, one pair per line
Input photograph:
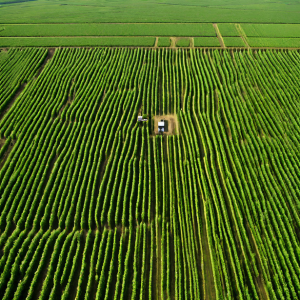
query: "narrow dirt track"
242, 35
219, 36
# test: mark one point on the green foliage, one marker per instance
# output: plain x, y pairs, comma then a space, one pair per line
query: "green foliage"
107, 29
272, 30
233, 42
183, 43
4, 147
95, 205
206, 42
164, 42
274, 42
132, 11
76, 41
227, 29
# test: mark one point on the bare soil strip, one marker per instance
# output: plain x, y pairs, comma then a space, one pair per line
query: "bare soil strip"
192, 44
173, 42
47, 58
5, 156
242, 34
219, 35
210, 292
259, 281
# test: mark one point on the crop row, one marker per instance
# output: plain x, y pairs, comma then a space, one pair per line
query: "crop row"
91, 199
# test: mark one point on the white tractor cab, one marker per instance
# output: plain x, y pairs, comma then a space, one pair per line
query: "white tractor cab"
140, 119
161, 126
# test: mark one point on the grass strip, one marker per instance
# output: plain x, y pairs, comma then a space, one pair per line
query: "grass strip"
233, 42
156, 29
206, 42
274, 42
77, 41
183, 43
228, 29
164, 42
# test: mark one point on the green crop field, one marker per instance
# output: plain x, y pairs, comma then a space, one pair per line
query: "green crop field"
272, 30
206, 42
183, 42
122, 22
164, 42
155, 11
95, 205
234, 42
274, 42
152, 29
227, 30
76, 41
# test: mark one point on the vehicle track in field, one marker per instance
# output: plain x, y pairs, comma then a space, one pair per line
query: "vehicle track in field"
219, 36
242, 35
46, 60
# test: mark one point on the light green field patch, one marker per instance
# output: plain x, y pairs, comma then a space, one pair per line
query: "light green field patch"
129, 11
228, 29
183, 43
164, 42
3, 55
157, 29
206, 42
274, 42
233, 42
272, 30
77, 41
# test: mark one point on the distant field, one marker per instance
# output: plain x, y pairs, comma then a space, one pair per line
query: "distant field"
113, 23
138, 41
183, 43
227, 29
272, 30
164, 42
156, 29
233, 42
206, 42
98, 11
76, 41
274, 42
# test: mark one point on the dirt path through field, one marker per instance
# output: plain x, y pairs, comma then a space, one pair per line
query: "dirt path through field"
47, 58
219, 35
6, 154
242, 34
210, 292
173, 42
